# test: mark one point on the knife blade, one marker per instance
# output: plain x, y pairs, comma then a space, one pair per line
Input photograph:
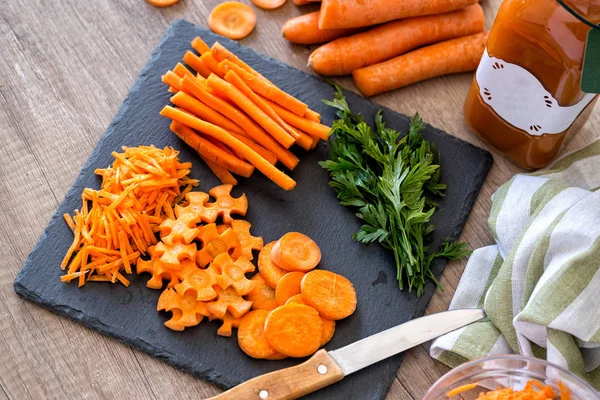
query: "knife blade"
325, 368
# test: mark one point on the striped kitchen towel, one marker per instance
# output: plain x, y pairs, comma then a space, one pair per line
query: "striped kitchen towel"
540, 282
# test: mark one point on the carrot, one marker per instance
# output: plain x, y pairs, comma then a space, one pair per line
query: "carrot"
247, 241
301, 138
296, 252
269, 271
332, 295
328, 324
186, 311
232, 19
449, 57
207, 128
266, 154
221, 53
162, 3
255, 131
221, 173
199, 45
305, 2
294, 330
304, 29
288, 286
197, 281
226, 204
251, 335
305, 125
262, 296
259, 116
211, 63
229, 322
213, 245
312, 116
268, 4
337, 14
228, 301
173, 80
232, 274
196, 64
226, 149
204, 112
342, 56
263, 87
211, 152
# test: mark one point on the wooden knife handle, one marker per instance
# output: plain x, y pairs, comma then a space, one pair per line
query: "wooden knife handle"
287, 384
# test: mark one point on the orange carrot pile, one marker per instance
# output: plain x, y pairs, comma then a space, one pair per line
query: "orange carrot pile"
205, 264
117, 223
235, 118
381, 42
533, 390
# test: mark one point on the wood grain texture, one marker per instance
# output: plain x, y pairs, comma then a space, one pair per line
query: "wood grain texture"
66, 66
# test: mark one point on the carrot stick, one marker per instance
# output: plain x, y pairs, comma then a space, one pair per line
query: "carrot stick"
199, 45
173, 80
312, 116
207, 128
204, 112
305, 30
336, 14
201, 92
210, 152
181, 71
342, 56
305, 125
226, 149
220, 172
268, 90
259, 116
221, 53
266, 154
301, 138
232, 19
211, 63
196, 63
449, 57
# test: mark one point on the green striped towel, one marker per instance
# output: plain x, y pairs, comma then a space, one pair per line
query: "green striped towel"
540, 282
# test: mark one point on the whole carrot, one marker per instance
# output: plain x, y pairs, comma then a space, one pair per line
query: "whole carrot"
344, 55
336, 14
449, 57
305, 30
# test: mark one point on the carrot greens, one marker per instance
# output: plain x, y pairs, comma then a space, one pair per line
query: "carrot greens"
391, 181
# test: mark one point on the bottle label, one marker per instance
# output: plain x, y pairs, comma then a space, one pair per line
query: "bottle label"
518, 97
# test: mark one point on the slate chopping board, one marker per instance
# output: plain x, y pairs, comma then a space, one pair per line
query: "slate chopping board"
129, 314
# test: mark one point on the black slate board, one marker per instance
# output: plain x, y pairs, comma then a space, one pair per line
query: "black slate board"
129, 314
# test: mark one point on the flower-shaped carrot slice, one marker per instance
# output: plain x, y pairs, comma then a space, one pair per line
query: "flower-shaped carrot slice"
294, 330
172, 255
228, 300
186, 310
214, 243
233, 274
183, 229
199, 282
247, 241
229, 322
199, 206
227, 205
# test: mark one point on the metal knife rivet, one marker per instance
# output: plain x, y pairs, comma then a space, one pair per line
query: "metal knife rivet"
322, 369
263, 394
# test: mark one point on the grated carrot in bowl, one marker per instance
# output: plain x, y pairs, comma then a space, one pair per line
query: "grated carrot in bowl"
533, 390
117, 223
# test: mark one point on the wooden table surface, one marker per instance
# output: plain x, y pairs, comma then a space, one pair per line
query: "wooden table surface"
65, 68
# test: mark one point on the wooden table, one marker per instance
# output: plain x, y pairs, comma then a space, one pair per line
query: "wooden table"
65, 68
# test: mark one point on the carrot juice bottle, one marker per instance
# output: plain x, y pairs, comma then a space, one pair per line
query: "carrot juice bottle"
526, 96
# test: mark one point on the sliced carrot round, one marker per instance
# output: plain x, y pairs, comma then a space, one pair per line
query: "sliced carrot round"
288, 286
294, 330
162, 3
296, 299
269, 271
328, 331
251, 335
232, 19
262, 296
296, 252
331, 294
269, 4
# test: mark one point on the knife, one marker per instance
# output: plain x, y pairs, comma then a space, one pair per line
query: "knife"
327, 367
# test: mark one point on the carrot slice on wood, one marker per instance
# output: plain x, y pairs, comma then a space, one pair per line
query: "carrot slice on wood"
331, 294
251, 335
162, 3
202, 93
296, 252
328, 324
211, 152
232, 19
204, 112
294, 330
271, 272
221, 173
262, 296
288, 286
199, 45
253, 110
207, 128
268, 4
313, 128
196, 64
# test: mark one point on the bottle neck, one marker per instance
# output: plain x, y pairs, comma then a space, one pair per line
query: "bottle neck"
588, 9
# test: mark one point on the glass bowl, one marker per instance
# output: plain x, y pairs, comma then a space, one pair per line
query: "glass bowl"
508, 371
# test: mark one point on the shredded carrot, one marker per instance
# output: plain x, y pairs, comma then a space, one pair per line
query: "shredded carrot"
533, 390
114, 226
